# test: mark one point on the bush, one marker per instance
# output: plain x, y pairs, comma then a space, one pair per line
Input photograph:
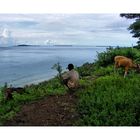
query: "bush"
104, 71
107, 57
58, 67
86, 69
111, 101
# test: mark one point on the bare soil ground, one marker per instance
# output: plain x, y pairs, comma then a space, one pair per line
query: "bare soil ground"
56, 110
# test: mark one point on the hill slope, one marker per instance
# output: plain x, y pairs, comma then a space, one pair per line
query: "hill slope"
104, 98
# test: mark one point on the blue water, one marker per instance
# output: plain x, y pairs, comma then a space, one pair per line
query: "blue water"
26, 65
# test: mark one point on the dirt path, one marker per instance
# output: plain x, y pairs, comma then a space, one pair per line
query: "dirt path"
51, 111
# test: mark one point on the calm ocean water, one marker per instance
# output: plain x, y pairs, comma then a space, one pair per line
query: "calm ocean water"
25, 65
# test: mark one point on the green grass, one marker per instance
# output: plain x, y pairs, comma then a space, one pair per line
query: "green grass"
110, 100
105, 98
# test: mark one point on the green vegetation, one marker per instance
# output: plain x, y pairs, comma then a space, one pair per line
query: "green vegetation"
134, 27
105, 98
108, 99
33, 92
58, 67
107, 57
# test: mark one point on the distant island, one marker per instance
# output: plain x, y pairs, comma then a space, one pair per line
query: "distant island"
23, 45
63, 45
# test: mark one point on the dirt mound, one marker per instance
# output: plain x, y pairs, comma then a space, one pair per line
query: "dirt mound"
52, 111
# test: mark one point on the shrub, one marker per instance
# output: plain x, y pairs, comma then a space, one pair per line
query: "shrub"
86, 69
107, 57
111, 100
58, 67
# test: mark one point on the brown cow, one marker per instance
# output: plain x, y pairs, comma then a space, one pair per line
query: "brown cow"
127, 63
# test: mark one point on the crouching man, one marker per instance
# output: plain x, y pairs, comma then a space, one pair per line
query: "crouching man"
71, 78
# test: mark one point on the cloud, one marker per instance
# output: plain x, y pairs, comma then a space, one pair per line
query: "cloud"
68, 28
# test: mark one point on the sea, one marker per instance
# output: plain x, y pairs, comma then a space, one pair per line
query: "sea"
25, 65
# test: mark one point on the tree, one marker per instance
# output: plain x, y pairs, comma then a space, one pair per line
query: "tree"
134, 27
130, 16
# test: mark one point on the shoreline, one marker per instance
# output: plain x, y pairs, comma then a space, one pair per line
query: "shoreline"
33, 82
36, 82
20, 67
101, 94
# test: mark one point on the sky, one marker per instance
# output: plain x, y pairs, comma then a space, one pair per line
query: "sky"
75, 29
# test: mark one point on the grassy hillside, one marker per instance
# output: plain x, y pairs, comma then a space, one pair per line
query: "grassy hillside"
108, 99
33, 92
105, 98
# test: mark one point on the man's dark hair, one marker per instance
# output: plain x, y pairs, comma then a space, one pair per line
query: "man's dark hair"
70, 66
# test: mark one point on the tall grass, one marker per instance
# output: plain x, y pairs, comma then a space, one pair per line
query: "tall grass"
110, 101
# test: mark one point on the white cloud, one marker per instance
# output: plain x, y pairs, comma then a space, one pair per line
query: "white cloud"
91, 29
5, 33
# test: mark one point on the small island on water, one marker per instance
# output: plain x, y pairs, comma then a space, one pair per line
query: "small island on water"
21, 45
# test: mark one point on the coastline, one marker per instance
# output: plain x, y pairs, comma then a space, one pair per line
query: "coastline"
36, 82
100, 88
32, 82
34, 65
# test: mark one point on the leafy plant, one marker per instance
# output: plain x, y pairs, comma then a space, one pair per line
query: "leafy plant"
58, 67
